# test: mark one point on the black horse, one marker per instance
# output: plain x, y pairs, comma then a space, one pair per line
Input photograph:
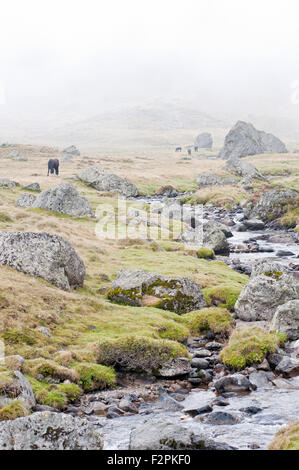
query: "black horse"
53, 165
178, 149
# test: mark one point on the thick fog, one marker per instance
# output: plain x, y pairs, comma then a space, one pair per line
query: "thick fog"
66, 61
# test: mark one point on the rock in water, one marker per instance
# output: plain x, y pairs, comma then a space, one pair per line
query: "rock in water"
72, 150
204, 140
286, 320
101, 180
269, 286
243, 139
234, 383
178, 295
158, 434
49, 431
43, 255
64, 199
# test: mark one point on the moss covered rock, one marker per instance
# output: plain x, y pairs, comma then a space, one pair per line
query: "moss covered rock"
139, 354
179, 295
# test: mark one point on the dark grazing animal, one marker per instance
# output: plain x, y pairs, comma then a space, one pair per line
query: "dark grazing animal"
195, 148
189, 151
178, 149
53, 165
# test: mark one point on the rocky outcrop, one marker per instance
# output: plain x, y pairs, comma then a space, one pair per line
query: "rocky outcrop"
63, 199
5, 183
286, 320
209, 179
49, 431
72, 150
269, 287
244, 169
14, 386
101, 180
204, 140
140, 288
41, 254
271, 204
243, 139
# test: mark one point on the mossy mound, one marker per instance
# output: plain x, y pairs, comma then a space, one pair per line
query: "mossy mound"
15, 409
249, 345
287, 438
222, 296
140, 354
95, 376
205, 253
54, 395
218, 320
48, 368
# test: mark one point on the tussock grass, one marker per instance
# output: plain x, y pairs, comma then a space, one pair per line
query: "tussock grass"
218, 320
287, 438
250, 345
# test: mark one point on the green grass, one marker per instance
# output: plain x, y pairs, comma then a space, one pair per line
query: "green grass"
287, 438
205, 253
218, 320
250, 345
15, 409
95, 376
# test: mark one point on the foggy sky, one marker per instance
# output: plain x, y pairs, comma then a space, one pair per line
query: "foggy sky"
75, 58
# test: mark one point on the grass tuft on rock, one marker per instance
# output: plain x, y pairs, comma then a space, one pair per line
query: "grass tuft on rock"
218, 320
287, 438
222, 296
140, 354
250, 345
15, 409
95, 376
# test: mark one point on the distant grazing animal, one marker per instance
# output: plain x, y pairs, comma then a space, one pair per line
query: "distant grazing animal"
178, 149
53, 165
189, 151
195, 148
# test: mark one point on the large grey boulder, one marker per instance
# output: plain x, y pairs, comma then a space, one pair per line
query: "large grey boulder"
271, 204
64, 199
243, 139
204, 140
269, 286
101, 180
142, 288
286, 320
161, 434
209, 179
14, 386
43, 255
49, 431
72, 150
